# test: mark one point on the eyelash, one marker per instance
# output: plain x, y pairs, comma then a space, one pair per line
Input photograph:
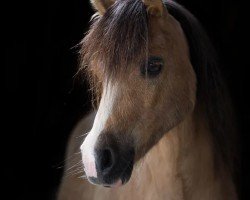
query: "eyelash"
153, 67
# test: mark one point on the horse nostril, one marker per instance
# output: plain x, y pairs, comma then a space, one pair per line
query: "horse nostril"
106, 160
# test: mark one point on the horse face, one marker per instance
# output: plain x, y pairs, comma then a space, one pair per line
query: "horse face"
139, 105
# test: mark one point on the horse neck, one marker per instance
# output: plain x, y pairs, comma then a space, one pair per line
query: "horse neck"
184, 161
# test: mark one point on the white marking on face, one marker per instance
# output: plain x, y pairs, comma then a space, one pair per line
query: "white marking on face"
104, 110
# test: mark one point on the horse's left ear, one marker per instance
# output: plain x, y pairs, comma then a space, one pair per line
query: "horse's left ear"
102, 5
154, 7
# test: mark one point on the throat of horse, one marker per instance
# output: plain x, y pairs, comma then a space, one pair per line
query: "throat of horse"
182, 163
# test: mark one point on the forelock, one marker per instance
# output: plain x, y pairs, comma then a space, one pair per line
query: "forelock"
118, 38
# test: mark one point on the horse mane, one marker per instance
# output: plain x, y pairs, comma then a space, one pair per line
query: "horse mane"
118, 38
121, 33
212, 93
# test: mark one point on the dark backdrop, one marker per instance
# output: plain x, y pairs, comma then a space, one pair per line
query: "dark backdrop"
42, 100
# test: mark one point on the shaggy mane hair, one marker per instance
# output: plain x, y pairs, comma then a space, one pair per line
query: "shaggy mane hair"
118, 38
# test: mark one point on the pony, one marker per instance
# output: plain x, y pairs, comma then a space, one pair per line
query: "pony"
163, 127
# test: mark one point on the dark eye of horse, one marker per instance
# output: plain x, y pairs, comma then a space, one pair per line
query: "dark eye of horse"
153, 67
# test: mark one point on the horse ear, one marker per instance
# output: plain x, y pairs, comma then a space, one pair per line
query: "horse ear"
154, 7
102, 5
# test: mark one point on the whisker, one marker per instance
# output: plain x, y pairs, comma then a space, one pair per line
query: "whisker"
67, 159
73, 173
75, 170
75, 165
83, 135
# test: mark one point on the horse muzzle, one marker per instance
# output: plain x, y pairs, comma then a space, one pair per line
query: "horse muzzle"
111, 162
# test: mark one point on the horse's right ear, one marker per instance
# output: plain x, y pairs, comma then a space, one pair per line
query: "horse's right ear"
102, 5
154, 7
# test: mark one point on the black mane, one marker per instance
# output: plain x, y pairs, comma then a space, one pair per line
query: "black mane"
211, 91
122, 35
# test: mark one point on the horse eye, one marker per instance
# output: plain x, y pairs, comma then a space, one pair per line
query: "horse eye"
153, 67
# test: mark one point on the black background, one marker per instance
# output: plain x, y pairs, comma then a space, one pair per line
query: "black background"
42, 100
